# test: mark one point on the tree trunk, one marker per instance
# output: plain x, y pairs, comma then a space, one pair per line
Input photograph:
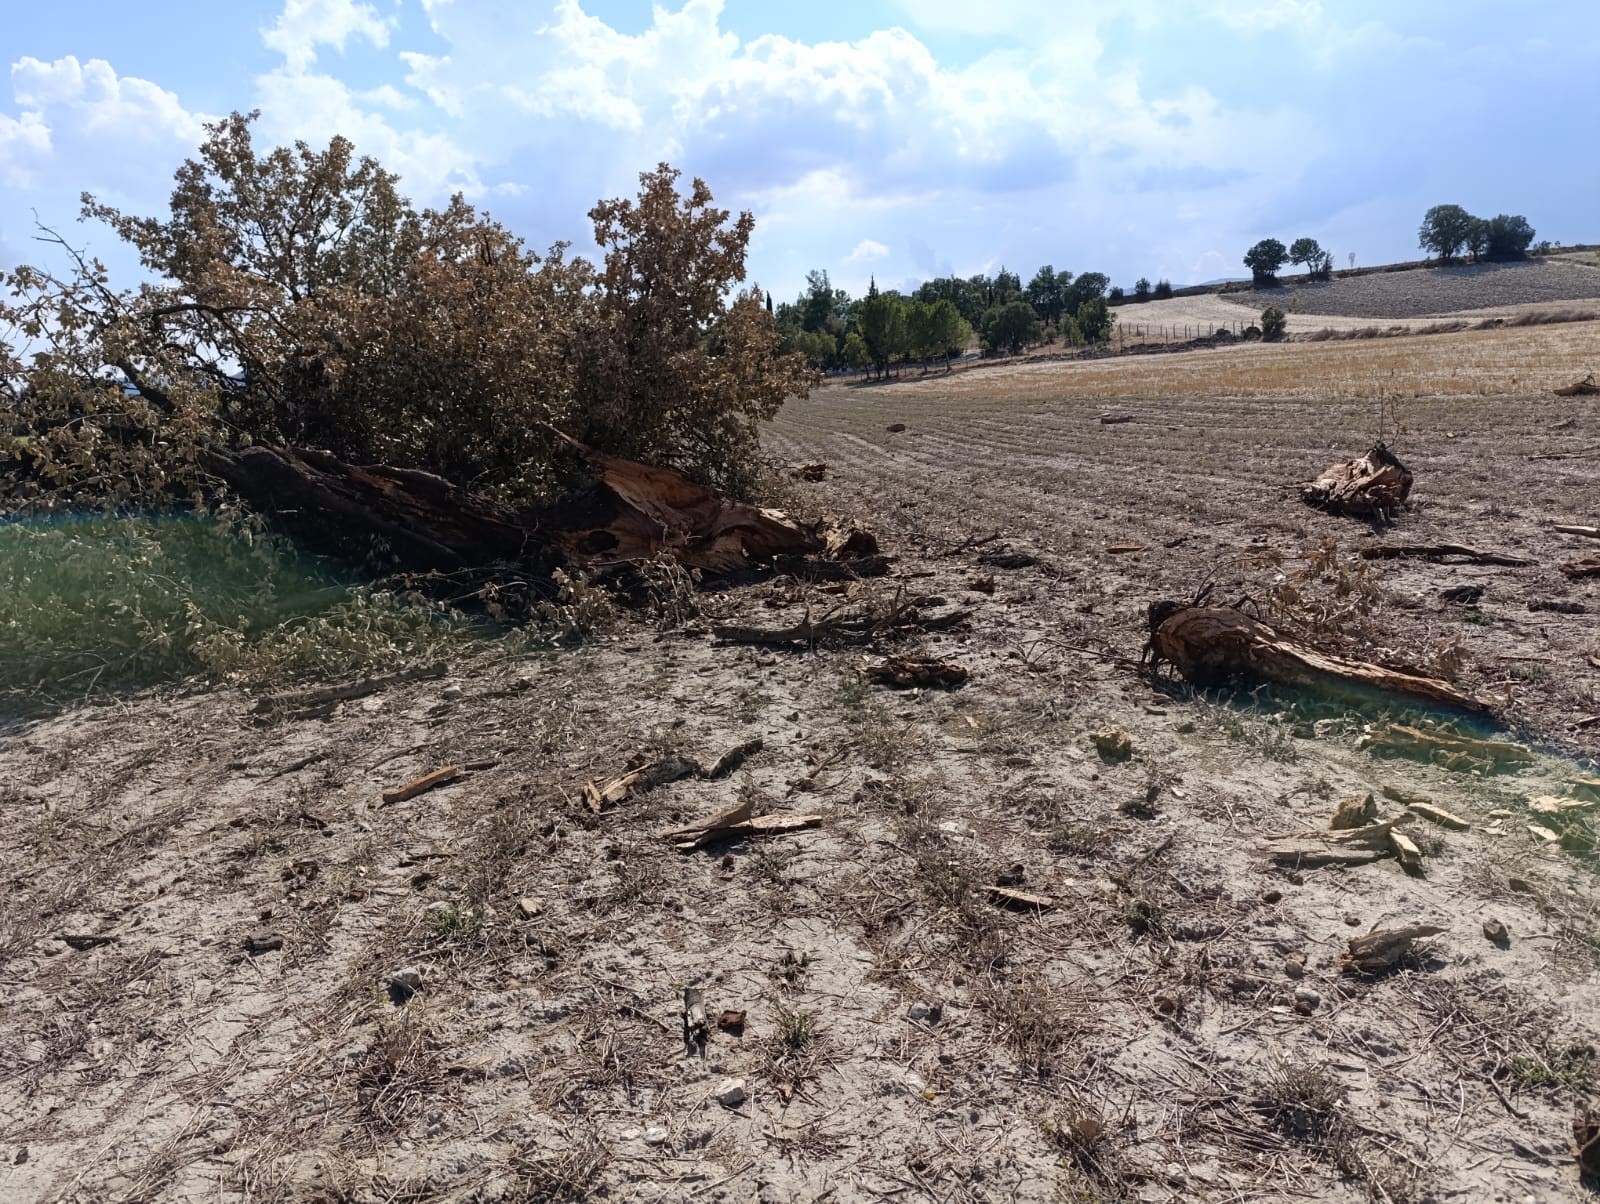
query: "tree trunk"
405, 520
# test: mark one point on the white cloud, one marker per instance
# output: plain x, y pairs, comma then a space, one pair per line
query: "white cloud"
866, 251
86, 116
303, 25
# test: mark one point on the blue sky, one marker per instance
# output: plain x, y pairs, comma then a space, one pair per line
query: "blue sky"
896, 138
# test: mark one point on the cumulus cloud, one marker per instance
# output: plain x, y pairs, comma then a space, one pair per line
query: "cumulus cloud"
76, 112
866, 251
303, 25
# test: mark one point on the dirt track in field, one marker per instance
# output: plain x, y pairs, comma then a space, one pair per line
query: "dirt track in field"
1176, 1027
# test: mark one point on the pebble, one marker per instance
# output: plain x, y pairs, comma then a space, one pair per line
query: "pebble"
1308, 997
731, 1093
402, 985
928, 1013
451, 693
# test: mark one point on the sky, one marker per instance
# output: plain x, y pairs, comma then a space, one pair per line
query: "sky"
887, 139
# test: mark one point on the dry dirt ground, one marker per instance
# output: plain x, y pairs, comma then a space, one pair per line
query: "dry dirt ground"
292, 991
1435, 291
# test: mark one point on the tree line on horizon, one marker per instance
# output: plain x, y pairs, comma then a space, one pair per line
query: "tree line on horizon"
886, 328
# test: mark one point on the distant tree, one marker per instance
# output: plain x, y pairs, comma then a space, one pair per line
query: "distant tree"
1007, 287
1351, 260
881, 319
1095, 320
821, 306
854, 353
1011, 327
1087, 287
1116, 294
949, 332
1265, 259
1273, 323
769, 304
1308, 252
1163, 290
1445, 230
1508, 236
1046, 292
1141, 289
1478, 238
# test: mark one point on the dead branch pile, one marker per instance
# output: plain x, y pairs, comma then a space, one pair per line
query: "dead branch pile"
1587, 567
1375, 486
1214, 644
908, 672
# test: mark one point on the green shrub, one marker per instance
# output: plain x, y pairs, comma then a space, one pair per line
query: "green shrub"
1273, 323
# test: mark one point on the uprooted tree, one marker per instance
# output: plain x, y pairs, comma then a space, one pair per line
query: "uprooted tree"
296, 300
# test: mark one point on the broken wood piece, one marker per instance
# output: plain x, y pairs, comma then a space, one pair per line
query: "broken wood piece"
645, 778
1376, 485
756, 825
1123, 549
1378, 832
1213, 644
695, 1030
814, 568
1312, 853
83, 941
1007, 896
854, 627
1009, 561
1588, 532
1440, 552
907, 672
1439, 816
1115, 419
427, 782
1406, 849
1447, 748
1383, 950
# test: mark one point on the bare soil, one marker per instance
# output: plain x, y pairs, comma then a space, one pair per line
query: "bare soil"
1175, 1027
1433, 291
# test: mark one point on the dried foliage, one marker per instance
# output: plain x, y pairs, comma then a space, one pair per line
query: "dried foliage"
296, 297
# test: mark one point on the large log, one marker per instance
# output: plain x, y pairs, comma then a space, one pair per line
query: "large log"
1213, 644
411, 521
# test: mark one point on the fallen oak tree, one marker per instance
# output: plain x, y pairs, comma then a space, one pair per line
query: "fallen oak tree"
1215, 644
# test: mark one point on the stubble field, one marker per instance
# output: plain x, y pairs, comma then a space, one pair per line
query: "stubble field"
1175, 1026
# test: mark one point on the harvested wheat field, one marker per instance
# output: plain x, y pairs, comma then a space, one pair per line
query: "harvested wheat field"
1049, 926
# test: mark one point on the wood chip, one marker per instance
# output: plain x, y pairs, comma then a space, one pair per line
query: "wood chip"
427, 782
1312, 853
1438, 815
1008, 897
1408, 852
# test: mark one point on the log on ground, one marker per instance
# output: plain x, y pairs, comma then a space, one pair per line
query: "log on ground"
1209, 645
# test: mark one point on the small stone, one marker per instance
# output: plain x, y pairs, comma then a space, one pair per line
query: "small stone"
451, 693
403, 985
1308, 997
927, 1013
528, 907
1272, 896
1354, 921
1295, 965
1495, 933
731, 1093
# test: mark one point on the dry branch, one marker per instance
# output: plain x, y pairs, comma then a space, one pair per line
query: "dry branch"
1450, 749
1440, 552
907, 672
297, 700
644, 778
1588, 532
1376, 485
844, 627
427, 782
1209, 644
1582, 388
736, 821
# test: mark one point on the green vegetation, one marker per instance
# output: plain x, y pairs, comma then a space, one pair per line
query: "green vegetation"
1265, 259
1273, 323
94, 605
1448, 230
